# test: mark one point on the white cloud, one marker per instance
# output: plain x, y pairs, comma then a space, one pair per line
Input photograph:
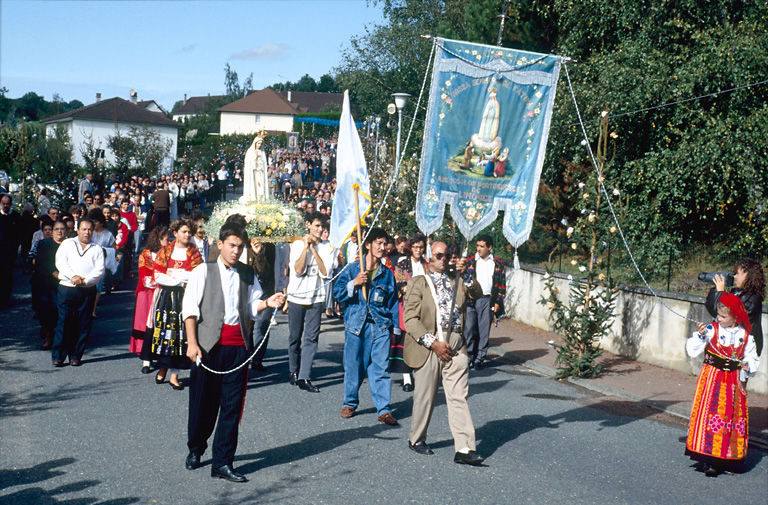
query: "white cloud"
269, 51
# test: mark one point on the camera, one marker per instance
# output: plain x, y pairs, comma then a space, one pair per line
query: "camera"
710, 276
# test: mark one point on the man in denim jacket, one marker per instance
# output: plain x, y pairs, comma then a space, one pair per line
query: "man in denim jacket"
369, 318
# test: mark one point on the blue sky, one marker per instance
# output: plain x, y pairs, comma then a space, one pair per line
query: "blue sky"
165, 49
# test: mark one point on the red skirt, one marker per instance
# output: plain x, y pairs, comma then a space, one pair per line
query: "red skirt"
719, 425
140, 316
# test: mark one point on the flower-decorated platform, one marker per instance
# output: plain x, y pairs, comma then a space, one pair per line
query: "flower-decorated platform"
269, 220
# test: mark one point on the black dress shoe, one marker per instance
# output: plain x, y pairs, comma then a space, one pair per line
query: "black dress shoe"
292, 378
479, 365
420, 447
158, 379
193, 461
75, 362
471, 365
176, 387
407, 388
471, 458
306, 385
58, 363
145, 369
226, 472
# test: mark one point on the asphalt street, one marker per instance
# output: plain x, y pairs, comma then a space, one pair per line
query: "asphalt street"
106, 434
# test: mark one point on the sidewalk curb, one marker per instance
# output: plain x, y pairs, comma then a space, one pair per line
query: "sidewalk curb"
757, 440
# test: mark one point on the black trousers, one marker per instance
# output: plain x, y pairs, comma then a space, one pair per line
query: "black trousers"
7, 262
73, 327
211, 396
162, 217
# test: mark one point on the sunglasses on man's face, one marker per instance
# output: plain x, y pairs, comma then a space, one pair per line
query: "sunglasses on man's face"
439, 256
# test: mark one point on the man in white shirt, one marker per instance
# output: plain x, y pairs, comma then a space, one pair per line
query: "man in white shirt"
310, 267
219, 299
490, 274
80, 266
221, 177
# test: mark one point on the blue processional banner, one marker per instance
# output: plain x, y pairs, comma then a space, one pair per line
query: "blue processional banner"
485, 136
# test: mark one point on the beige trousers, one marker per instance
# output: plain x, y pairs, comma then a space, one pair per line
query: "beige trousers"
454, 375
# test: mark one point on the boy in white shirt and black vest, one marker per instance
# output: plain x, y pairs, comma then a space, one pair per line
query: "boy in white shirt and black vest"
219, 299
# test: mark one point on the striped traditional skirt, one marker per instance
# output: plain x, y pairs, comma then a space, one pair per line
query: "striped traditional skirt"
719, 424
168, 337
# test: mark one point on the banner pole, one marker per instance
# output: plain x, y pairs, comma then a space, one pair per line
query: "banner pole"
455, 291
356, 187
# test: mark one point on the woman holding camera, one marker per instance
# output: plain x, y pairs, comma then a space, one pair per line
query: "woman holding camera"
749, 286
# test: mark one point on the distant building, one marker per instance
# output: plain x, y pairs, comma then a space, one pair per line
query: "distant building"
193, 106
313, 101
151, 105
103, 119
265, 109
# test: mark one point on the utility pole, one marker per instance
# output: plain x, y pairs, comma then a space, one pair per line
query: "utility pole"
503, 17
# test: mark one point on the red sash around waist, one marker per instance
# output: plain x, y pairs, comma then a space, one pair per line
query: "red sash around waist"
231, 335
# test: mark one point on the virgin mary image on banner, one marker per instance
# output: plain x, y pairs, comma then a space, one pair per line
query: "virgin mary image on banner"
486, 130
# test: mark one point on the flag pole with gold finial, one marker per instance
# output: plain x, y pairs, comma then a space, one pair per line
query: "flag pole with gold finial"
356, 187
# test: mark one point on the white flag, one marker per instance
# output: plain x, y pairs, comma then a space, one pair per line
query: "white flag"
351, 172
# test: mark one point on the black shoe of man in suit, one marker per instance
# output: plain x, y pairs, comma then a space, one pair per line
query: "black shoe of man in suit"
226, 472
193, 461
306, 385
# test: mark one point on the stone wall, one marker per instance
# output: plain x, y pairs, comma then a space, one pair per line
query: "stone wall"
643, 330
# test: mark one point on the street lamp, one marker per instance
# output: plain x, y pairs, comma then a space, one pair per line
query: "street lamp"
376, 149
400, 100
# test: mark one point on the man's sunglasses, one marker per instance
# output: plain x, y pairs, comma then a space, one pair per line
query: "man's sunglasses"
440, 256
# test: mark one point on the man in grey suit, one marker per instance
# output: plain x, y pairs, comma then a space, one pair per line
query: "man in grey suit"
86, 184
435, 349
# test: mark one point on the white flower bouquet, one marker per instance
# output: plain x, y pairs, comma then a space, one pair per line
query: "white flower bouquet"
270, 220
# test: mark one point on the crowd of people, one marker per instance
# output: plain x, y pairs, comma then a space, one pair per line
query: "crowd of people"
414, 309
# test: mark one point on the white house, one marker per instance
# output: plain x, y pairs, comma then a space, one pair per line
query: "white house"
260, 110
103, 119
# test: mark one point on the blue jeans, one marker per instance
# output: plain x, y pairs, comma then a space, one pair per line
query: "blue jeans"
369, 352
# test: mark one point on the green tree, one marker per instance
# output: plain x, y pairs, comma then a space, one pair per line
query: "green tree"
306, 83
232, 84
149, 150
327, 84
122, 147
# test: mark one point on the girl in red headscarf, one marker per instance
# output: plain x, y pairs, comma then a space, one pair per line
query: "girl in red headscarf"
718, 428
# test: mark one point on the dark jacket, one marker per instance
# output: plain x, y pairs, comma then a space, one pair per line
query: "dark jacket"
499, 286
753, 303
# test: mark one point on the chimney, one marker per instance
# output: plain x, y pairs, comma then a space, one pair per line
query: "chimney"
134, 96
289, 95
98, 97
185, 99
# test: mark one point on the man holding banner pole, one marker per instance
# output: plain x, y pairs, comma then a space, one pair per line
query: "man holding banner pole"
368, 322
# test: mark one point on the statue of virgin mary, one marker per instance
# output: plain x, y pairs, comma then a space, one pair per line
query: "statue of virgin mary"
487, 139
255, 186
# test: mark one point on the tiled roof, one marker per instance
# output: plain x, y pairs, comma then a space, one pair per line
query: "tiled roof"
195, 104
265, 101
313, 101
115, 109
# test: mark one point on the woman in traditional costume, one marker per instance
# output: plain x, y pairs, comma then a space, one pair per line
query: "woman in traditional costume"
718, 429
141, 336
173, 266
408, 266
